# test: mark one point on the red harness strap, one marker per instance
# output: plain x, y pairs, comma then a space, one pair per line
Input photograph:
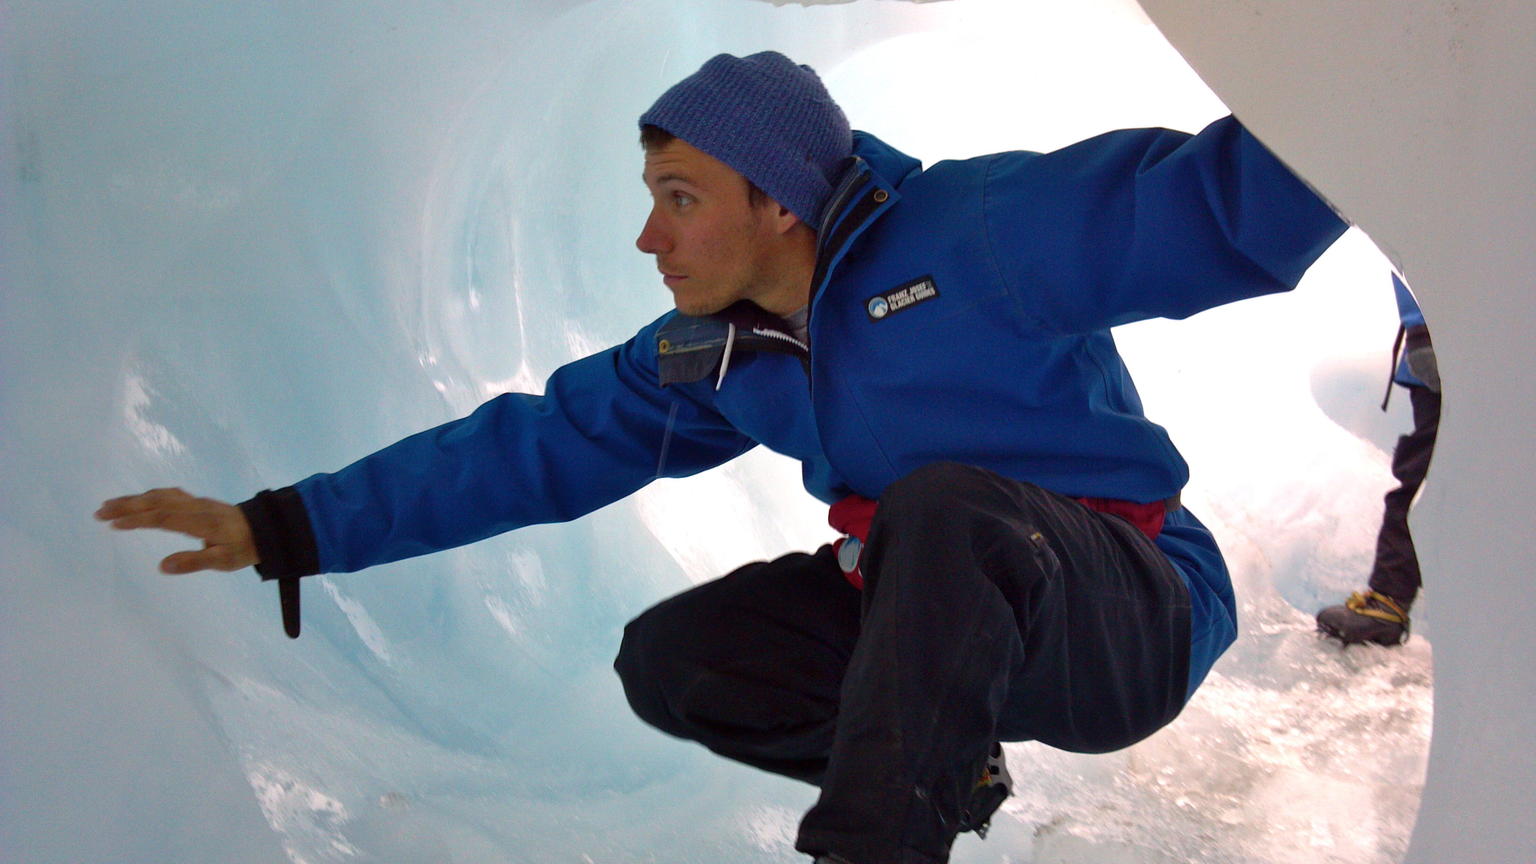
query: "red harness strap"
852, 516
1147, 517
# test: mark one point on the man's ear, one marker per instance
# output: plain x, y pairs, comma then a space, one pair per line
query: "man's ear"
784, 220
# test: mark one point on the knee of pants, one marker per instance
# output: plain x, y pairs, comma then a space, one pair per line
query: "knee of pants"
730, 710
667, 683
641, 674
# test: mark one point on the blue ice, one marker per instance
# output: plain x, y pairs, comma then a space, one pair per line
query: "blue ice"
248, 241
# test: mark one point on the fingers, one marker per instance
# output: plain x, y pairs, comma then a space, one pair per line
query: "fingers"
170, 509
225, 558
130, 504
202, 524
227, 541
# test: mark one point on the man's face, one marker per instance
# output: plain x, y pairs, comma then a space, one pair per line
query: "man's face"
712, 246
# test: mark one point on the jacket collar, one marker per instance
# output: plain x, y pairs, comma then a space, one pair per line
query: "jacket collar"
867, 188
885, 160
688, 349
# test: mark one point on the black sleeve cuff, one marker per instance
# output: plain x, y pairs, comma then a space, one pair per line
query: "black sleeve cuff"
285, 542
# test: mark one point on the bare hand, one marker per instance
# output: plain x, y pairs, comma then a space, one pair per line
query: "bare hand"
227, 541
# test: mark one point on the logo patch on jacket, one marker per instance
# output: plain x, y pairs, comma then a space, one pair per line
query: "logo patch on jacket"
905, 297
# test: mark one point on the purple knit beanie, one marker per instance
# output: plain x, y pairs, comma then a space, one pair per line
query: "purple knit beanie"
769, 119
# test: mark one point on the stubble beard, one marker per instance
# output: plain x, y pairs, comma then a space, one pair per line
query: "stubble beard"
751, 281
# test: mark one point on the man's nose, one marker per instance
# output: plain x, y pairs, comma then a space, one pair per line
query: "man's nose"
652, 240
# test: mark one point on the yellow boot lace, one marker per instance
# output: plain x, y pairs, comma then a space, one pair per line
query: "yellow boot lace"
1374, 604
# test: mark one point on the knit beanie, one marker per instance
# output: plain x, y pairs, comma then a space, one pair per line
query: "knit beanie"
769, 119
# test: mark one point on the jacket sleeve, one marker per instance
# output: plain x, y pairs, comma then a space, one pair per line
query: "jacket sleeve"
1146, 223
597, 434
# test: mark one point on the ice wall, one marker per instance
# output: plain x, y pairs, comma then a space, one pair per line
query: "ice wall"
1418, 118
246, 241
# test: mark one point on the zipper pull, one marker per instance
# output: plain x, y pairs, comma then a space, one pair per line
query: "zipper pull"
725, 361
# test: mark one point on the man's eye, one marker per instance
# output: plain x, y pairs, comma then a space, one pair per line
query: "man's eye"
681, 200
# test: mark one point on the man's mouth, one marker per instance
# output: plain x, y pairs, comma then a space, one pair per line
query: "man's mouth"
671, 280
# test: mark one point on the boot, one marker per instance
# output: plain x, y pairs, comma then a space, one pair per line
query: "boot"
993, 786
1366, 617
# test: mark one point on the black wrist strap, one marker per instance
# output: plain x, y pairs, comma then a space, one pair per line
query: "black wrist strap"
285, 546
288, 598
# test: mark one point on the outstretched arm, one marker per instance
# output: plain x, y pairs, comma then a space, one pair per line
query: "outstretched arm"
226, 535
1148, 223
595, 436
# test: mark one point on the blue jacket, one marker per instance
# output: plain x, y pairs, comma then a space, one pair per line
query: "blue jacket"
1412, 317
960, 313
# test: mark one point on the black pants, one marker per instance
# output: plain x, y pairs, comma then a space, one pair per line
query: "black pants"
993, 610
1396, 569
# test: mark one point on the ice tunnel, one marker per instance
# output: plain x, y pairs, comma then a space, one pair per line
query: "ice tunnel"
247, 241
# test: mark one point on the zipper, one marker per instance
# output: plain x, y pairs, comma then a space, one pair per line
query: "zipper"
778, 340
782, 337
854, 203
854, 181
